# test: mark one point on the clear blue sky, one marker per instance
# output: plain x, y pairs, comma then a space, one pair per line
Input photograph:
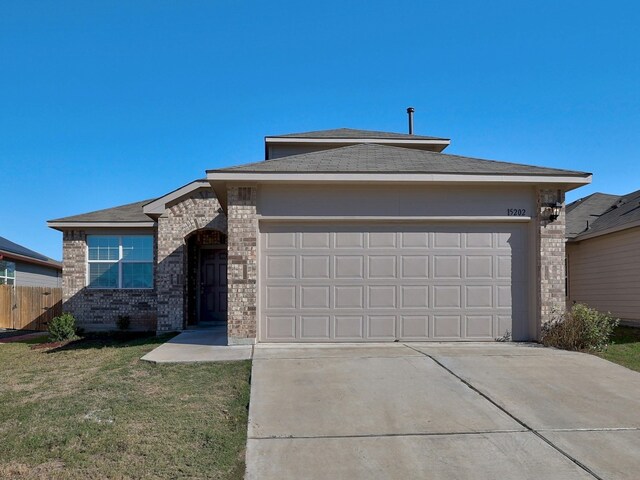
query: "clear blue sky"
111, 102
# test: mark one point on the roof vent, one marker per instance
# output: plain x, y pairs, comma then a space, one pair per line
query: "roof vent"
410, 111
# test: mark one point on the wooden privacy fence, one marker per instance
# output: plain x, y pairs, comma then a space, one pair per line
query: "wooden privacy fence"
29, 308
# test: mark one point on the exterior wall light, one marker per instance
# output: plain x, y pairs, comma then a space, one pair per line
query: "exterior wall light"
554, 211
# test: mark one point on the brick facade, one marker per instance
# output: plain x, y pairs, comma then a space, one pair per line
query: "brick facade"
165, 307
99, 309
550, 284
242, 268
162, 308
199, 210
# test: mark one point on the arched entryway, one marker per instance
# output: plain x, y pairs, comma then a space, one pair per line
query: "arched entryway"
206, 275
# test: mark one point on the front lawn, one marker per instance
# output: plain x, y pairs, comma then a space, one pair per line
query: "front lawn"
95, 410
624, 348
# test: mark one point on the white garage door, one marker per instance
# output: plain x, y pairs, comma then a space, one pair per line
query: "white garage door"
339, 283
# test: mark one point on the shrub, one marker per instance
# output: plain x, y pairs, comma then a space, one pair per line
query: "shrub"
582, 328
123, 322
62, 328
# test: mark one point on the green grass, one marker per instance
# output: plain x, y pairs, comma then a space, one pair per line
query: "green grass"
625, 348
94, 410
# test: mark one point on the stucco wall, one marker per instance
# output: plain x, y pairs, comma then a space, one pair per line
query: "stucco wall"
392, 200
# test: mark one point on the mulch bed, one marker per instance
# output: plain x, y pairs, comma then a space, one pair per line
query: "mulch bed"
42, 346
19, 336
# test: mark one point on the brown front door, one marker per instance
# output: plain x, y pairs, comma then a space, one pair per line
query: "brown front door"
213, 285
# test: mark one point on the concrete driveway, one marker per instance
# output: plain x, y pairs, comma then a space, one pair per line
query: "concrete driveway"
440, 411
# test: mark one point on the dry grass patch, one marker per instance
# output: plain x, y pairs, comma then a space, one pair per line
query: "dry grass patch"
94, 410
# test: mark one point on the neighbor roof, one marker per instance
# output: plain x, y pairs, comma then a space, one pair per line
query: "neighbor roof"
350, 133
9, 247
583, 213
132, 212
623, 212
373, 158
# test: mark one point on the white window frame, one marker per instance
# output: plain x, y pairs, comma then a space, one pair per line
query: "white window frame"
119, 262
4, 276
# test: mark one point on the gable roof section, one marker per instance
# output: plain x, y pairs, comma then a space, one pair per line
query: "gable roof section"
623, 213
157, 206
130, 215
351, 133
13, 250
373, 158
583, 213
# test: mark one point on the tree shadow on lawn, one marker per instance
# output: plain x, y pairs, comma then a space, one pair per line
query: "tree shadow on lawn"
109, 340
624, 335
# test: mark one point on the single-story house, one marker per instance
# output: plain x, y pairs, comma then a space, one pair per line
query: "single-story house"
336, 236
23, 267
603, 254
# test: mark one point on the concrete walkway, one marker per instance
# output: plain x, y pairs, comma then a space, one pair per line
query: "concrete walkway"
440, 411
202, 345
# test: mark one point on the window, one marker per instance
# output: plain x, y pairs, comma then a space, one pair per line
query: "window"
7, 273
120, 261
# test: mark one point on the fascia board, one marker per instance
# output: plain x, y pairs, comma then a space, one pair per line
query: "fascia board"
395, 178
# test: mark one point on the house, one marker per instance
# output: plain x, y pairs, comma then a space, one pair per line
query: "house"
336, 236
24, 267
603, 254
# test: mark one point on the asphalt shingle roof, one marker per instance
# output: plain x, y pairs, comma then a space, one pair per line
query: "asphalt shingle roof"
621, 211
11, 247
347, 133
374, 158
131, 212
583, 213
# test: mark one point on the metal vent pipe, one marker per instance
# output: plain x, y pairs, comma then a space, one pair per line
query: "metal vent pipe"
410, 111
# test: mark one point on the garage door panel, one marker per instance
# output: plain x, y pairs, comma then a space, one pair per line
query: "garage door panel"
415, 239
281, 327
382, 266
314, 267
281, 266
349, 266
447, 240
479, 296
479, 266
315, 240
446, 266
349, 296
315, 327
349, 240
414, 296
349, 327
479, 326
327, 283
447, 296
447, 327
414, 327
415, 266
281, 297
382, 239
382, 296
381, 327
315, 296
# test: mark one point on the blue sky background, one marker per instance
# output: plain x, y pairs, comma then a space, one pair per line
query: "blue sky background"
104, 103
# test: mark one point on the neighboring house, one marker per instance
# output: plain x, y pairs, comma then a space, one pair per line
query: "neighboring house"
338, 236
603, 254
23, 267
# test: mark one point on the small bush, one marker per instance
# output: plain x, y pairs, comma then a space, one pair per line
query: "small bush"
123, 322
582, 328
62, 328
